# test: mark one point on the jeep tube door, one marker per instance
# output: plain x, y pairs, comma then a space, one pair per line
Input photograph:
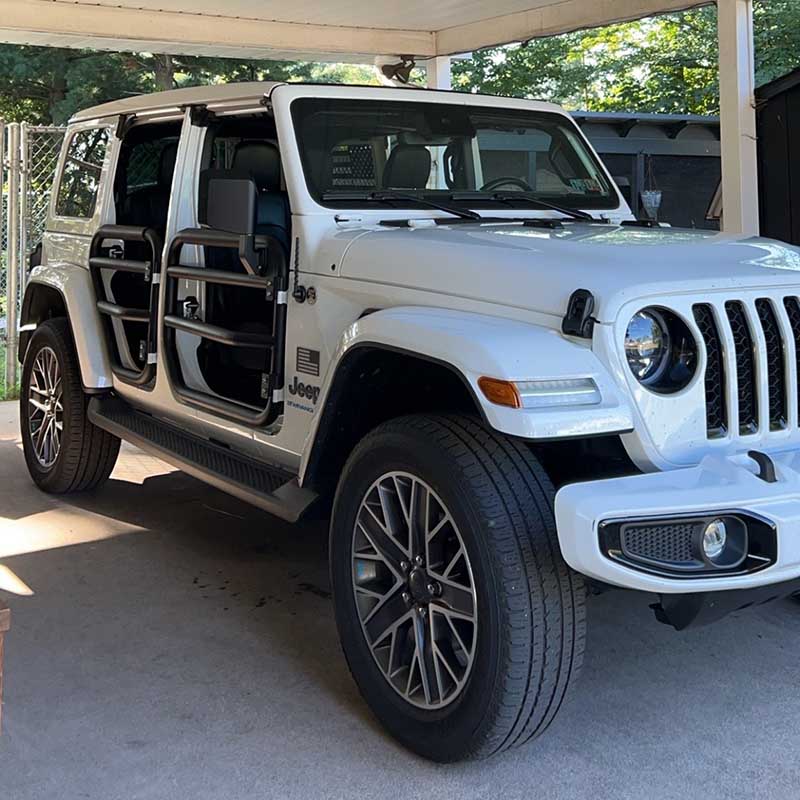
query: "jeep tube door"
125, 256
223, 311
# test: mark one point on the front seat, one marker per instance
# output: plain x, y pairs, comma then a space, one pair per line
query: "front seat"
262, 161
408, 167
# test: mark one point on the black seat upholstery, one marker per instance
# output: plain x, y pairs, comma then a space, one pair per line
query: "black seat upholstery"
408, 167
149, 206
262, 161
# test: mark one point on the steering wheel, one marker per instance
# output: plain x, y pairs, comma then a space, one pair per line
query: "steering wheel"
496, 183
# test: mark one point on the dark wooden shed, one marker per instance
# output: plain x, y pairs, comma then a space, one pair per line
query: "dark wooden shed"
779, 157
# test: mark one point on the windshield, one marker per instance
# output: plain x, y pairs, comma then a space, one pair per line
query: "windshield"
477, 156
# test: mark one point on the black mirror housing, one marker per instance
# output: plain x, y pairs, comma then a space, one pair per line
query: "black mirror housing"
228, 202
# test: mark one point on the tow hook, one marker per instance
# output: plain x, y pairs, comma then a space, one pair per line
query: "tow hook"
766, 466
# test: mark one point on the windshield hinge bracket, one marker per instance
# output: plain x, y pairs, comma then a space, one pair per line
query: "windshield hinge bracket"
578, 321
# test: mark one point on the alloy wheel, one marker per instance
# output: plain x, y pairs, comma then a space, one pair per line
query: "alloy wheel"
46, 407
414, 590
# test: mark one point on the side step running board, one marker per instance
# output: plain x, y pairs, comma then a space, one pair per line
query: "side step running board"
270, 488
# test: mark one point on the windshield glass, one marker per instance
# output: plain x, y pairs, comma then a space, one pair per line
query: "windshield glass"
478, 156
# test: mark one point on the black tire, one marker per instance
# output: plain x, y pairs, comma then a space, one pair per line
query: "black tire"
87, 453
531, 605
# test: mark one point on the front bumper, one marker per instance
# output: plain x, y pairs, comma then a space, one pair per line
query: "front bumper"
717, 484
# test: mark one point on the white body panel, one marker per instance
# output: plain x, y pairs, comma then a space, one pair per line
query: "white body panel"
75, 286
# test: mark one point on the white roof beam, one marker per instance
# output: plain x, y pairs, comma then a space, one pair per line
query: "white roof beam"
111, 27
551, 19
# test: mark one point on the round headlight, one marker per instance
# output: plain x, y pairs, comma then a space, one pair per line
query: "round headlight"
661, 350
646, 345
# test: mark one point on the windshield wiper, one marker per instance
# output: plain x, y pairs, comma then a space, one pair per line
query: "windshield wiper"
387, 195
507, 197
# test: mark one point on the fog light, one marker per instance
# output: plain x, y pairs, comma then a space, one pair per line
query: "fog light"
715, 537
722, 542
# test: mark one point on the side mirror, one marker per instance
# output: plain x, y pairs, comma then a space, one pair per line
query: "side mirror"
229, 202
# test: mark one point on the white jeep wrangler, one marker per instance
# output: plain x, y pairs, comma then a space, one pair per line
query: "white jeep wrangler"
432, 316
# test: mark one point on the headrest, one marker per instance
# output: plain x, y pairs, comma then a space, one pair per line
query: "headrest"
408, 167
166, 164
262, 161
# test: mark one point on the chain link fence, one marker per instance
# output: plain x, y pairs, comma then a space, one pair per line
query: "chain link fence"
29, 159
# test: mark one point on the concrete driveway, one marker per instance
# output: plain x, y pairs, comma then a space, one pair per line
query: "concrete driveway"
179, 644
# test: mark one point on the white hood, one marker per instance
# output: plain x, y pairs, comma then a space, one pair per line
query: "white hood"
539, 268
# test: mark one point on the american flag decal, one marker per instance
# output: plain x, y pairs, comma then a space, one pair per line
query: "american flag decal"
308, 361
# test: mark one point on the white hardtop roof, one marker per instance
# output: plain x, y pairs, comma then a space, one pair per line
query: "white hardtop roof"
322, 30
176, 98
245, 94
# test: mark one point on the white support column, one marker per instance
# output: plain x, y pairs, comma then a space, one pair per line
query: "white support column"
738, 117
439, 75
13, 259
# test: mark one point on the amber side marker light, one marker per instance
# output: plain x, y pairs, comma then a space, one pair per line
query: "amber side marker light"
502, 393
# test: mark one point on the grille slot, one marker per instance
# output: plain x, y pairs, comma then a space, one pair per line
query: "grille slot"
716, 409
665, 543
745, 367
776, 364
792, 306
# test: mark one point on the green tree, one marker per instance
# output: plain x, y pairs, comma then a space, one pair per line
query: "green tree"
47, 85
666, 64
44, 85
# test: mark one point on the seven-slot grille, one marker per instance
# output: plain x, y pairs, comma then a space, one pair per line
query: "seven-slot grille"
748, 346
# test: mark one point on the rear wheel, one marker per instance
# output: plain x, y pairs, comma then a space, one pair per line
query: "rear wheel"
461, 623
64, 451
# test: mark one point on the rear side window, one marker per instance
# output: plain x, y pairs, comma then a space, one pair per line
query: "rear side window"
80, 180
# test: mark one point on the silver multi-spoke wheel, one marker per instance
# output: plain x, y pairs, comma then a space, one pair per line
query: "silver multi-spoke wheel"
46, 407
414, 590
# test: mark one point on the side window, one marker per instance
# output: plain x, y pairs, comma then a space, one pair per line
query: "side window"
80, 179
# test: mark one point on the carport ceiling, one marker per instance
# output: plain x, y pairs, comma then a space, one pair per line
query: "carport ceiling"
308, 29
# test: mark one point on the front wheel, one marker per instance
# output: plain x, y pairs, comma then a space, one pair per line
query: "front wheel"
64, 451
461, 623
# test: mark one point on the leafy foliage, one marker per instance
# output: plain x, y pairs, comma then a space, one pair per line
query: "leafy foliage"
47, 85
664, 64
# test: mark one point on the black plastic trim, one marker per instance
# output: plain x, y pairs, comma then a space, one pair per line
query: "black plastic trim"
267, 486
696, 609
762, 545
